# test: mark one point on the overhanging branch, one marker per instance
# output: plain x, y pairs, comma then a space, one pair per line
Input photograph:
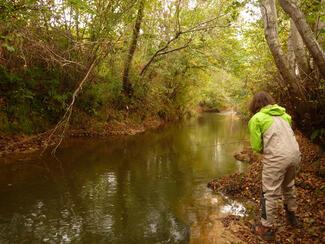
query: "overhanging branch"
203, 26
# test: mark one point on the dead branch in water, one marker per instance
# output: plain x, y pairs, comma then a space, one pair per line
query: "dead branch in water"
63, 124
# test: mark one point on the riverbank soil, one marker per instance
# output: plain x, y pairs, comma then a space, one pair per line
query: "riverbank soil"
26, 144
310, 186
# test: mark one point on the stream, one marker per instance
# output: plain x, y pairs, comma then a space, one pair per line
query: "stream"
147, 188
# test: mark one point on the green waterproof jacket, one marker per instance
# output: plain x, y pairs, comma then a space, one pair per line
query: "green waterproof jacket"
261, 121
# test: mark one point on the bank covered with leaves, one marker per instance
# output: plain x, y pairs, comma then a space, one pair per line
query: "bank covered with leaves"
310, 186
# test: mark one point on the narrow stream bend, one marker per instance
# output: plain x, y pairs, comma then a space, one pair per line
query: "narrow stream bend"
146, 188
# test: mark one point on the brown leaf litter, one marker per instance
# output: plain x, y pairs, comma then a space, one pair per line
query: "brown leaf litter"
310, 185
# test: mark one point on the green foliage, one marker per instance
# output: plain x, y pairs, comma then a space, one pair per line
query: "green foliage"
27, 102
45, 53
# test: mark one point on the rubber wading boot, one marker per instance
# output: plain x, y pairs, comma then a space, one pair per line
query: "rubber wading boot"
266, 233
292, 218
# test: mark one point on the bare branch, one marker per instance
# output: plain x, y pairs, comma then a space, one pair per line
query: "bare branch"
63, 124
59, 58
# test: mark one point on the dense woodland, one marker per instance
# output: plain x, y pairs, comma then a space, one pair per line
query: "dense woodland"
85, 63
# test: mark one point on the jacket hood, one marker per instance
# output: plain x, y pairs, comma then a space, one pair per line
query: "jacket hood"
273, 110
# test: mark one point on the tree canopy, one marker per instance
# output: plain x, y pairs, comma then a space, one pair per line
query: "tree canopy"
139, 58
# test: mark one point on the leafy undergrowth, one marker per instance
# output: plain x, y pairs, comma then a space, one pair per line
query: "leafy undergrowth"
310, 185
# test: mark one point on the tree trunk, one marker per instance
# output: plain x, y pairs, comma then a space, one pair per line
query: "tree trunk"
127, 86
269, 14
291, 52
299, 52
306, 33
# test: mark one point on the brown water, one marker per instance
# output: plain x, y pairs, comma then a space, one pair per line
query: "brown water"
148, 188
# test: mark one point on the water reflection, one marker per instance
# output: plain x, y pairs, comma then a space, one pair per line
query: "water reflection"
149, 187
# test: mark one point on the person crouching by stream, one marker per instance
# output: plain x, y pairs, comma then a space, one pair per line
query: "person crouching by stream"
271, 134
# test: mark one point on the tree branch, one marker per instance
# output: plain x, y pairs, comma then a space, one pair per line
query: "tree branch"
175, 49
197, 28
63, 124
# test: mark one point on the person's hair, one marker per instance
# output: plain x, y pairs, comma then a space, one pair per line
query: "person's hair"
260, 100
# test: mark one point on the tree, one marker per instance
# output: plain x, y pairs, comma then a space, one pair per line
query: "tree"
299, 52
269, 14
127, 86
306, 33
